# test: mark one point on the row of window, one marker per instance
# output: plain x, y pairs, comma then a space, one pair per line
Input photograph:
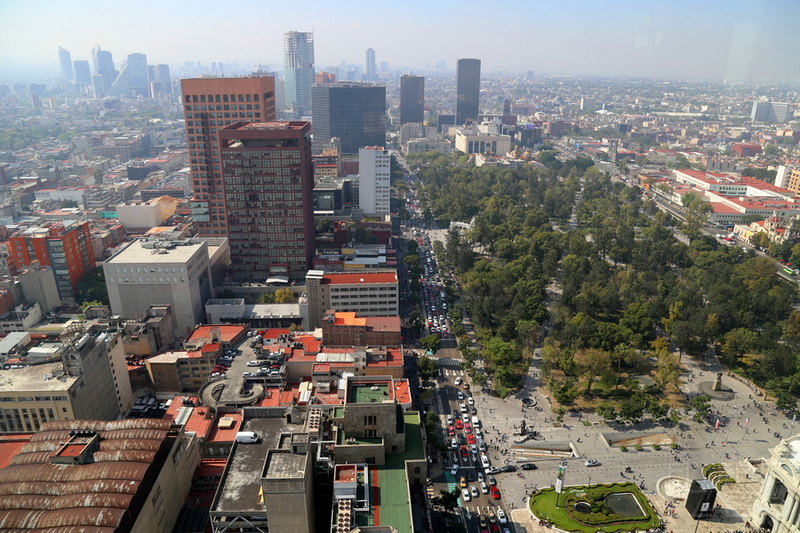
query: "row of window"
33, 399
140, 270
146, 280
195, 98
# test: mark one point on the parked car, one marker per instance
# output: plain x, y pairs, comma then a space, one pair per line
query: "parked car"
495, 492
592, 462
529, 466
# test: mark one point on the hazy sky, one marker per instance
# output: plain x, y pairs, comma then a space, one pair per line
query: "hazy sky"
700, 39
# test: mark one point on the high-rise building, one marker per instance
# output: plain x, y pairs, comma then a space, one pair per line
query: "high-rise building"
374, 180
371, 67
209, 104
298, 65
83, 74
160, 80
133, 78
104, 66
468, 89
412, 99
269, 182
65, 59
354, 112
67, 249
766, 111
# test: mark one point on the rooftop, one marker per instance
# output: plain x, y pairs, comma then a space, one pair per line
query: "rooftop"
369, 392
240, 488
135, 252
363, 277
48, 377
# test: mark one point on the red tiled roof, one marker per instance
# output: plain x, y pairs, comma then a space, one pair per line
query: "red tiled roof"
364, 277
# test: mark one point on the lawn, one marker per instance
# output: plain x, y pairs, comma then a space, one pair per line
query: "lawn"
611, 508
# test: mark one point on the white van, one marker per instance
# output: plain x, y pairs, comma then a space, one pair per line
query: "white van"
475, 422
246, 437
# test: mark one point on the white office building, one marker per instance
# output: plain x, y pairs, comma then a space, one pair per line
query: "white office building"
375, 177
156, 272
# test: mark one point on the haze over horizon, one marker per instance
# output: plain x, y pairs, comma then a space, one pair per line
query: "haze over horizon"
736, 40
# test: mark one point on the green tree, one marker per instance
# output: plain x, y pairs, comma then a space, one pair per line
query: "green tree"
427, 367
607, 411
284, 295
266, 298
431, 342
593, 364
69, 204
447, 499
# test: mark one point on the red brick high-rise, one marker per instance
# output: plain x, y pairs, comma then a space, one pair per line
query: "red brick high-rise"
268, 182
210, 104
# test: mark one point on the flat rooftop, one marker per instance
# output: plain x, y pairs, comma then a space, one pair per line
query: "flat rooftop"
241, 484
285, 465
36, 378
369, 392
136, 253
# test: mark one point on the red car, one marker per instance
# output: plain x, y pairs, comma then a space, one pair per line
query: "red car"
459, 425
451, 431
470, 439
465, 454
495, 492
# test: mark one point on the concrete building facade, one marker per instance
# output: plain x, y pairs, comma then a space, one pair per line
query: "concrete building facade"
374, 180
364, 293
268, 198
174, 273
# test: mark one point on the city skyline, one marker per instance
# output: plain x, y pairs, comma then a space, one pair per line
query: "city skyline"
742, 40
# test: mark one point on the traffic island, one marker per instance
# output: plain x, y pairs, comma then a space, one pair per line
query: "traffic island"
610, 508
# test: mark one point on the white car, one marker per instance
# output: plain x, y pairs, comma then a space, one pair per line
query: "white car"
484, 487
592, 462
501, 516
454, 470
458, 381
474, 491
254, 363
480, 476
470, 400
465, 497
485, 461
460, 395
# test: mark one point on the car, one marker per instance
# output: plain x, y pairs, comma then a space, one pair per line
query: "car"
491, 480
471, 400
484, 487
253, 363
458, 381
501, 515
482, 445
247, 374
463, 408
461, 439
466, 386
218, 374
464, 452
449, 420
492, 470
454, 443
478, 433
483, 522
450, 431
529, 466
459, 424
465, 495
592, 462
481, 477
474, 450
460, 395
471, 438
495, 492
508, 468
462, 482
474, 491
467, 429
454, 470
485, 461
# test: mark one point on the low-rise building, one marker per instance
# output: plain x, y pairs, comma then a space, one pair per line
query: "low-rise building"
365, 293
347, 329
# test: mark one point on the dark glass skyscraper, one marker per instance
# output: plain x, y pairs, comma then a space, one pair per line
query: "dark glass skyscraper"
354, 112
412, 99
468, 89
